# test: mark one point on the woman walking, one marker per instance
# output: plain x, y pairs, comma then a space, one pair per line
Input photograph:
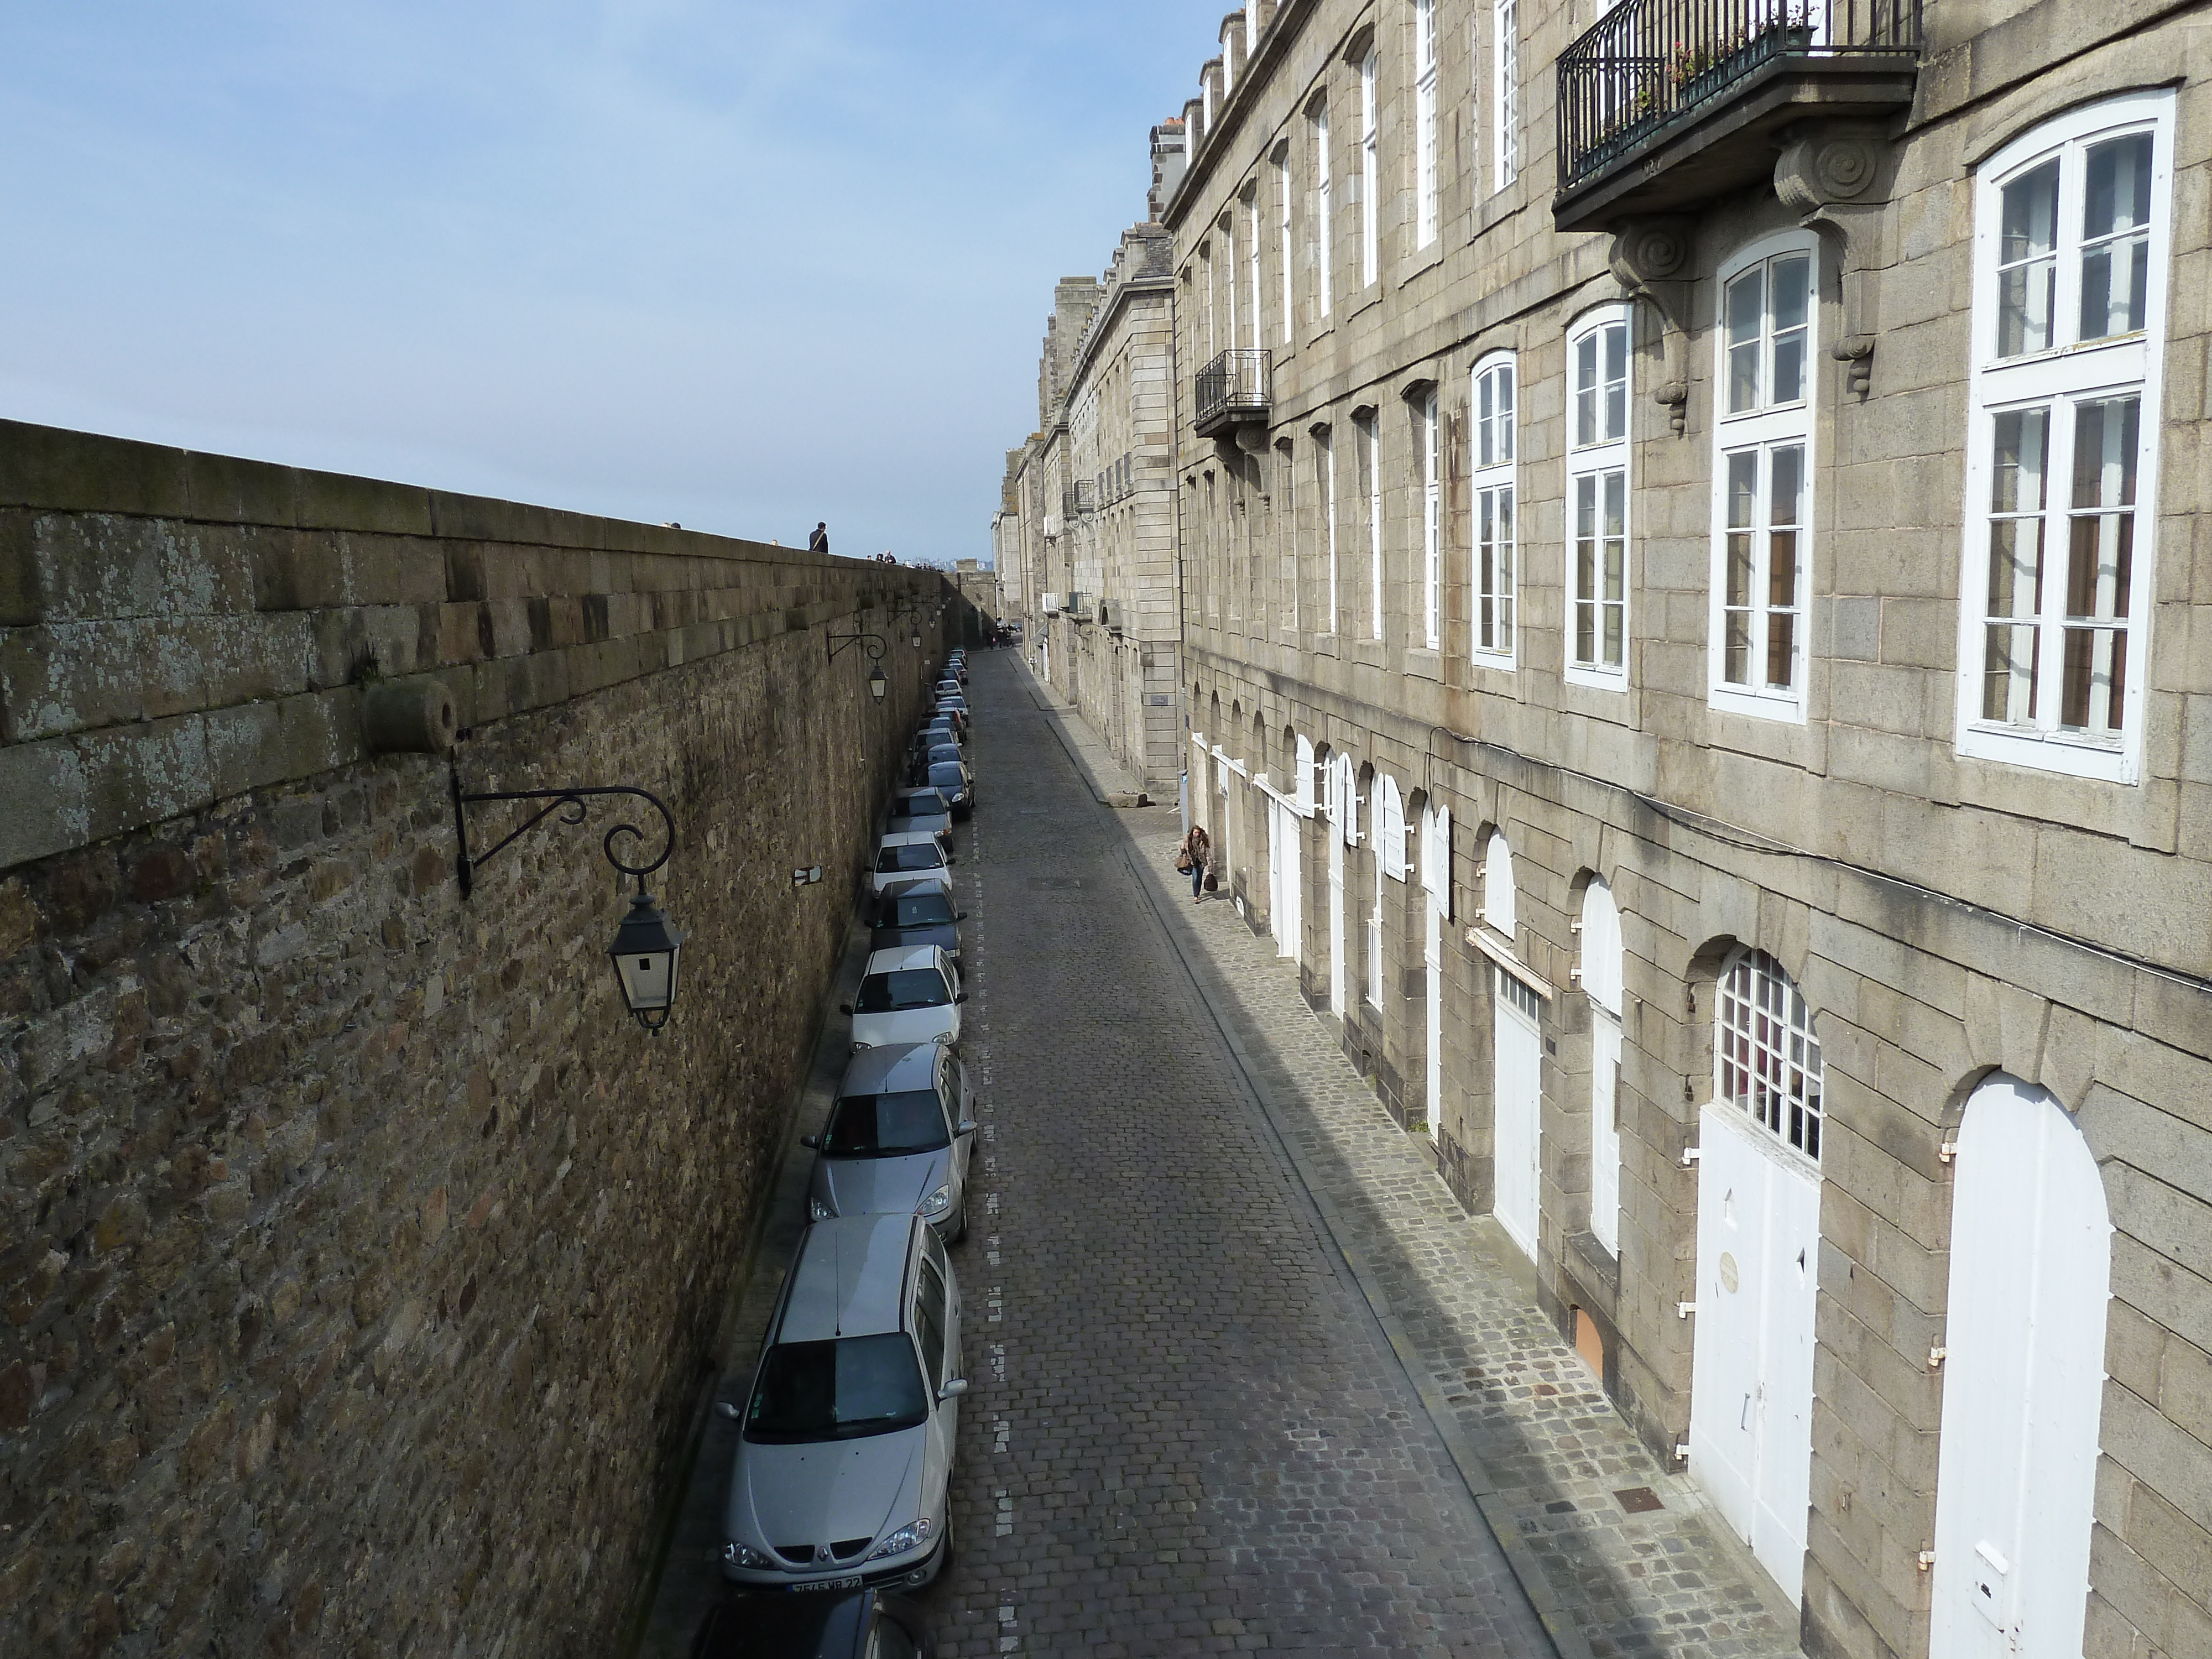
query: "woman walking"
1196, 856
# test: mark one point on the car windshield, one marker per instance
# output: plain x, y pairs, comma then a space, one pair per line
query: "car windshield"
947, 773
902, 988
924, 801
920, 910
837, 1390
924, 855
907, 824
885, 1125
945, 751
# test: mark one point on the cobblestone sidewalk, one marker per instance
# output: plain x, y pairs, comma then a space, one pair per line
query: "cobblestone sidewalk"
1548, 1459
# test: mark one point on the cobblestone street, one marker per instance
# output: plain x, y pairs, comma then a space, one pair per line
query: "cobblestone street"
1244, 1372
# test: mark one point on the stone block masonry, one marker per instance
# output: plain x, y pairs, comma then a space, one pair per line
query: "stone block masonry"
361, 1260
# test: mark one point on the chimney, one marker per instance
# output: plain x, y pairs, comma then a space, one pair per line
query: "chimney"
1170, 159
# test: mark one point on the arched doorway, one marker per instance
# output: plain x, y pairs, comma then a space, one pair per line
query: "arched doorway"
2023, 1382
1758, 1257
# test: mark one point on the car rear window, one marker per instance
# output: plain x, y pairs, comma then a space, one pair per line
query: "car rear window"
886, 1126
924, 856
903, 988
909, 826
922, 910
946, 773
945, 751
837, 1390
921, 800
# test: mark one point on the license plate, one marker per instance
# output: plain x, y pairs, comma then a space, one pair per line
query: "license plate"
853, 1582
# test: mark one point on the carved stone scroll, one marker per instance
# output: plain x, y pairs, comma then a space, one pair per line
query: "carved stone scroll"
1652, 259
1835, 176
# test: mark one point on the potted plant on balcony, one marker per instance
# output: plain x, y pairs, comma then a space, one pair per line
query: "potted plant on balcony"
1700, 72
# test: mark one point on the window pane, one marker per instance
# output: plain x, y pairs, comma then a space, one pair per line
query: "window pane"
1746, 298
1736, 649
1586, 390
2015, 577
1616, 381
1504, 376
1486, 437
1742, 489
2028, 283
1792, 290
2115, 231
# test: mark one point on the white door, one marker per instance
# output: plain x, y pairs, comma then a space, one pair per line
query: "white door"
1336, 921
1515, 1105
1605, 1128
1285, 902
1432, 975
2023, 1382
1751, 1364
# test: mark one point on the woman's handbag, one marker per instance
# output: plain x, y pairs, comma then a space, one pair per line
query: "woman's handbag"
1212, 882
1182, 861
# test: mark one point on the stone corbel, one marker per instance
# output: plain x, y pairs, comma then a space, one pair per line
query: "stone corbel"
1835, 176
1651, 258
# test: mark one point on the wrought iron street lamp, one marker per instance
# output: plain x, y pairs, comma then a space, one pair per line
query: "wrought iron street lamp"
873, 644
646, 949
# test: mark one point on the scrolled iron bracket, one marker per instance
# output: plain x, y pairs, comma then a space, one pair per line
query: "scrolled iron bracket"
574, 807
870, 643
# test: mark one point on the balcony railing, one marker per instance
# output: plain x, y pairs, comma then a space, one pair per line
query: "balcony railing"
1650, 63
1236, 388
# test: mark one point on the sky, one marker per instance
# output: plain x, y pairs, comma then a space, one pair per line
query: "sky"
737, 265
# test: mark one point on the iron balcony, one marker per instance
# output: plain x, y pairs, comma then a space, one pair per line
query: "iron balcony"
1238, 388
1665, 104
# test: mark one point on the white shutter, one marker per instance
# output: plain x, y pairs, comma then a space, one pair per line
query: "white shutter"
1303, 791
1436, 858
1390, 827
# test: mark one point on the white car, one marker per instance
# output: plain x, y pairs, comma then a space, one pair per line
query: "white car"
846, 1441
907, 854
908, 994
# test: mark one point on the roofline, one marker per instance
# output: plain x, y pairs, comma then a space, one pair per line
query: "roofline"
1288, 23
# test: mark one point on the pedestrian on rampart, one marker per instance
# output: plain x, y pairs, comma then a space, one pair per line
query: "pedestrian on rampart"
1195, 856
819, 541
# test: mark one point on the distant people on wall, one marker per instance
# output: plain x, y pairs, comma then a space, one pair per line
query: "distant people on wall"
819, 541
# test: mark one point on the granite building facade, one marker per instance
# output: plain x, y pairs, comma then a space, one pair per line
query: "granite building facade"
1690, 639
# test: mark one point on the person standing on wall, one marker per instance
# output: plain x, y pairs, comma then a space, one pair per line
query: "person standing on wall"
819, 541
1195, 856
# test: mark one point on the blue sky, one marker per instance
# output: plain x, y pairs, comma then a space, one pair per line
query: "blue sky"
735, 265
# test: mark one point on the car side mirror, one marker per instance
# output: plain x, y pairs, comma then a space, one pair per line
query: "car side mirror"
959, 915
844, 1007
812, 1143
952, 860
952, 1387
967, 1125
962, 997
724, 1408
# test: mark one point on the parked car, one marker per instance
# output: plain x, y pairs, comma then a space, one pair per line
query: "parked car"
945, 751
918, 811
952, 780
910, 993
847, 1436
860, 1624
909, 854
917, 913
946, 727
897, 1142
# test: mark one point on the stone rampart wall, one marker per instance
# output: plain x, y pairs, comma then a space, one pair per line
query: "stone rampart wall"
361, 1260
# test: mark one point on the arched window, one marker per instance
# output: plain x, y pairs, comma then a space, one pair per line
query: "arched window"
1491, 480
1598, 374
1497, 885
1304, 791
1389, 827
1766, 1060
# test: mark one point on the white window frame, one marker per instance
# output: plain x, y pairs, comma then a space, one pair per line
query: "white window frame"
1498, 909
1756, 436
1325, 475
1283, 228
1288, 453
1324, 225
2061, 377
1425, 121
1369, 173
1432, 529
1374, 986
1205, 260
1597, 454
1505, 92
1368, 428
1228, 228
1766, 1053
1494, 496
1255, 261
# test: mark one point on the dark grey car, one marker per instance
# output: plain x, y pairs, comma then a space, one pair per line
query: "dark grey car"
918, 913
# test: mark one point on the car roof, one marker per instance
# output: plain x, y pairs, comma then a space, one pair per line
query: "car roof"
897, 1066
896, 958
961, 765
848, 1279
922, 882
908, 795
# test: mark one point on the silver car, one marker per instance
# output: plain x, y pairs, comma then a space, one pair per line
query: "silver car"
908, 994
848, 1437
897, 1142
